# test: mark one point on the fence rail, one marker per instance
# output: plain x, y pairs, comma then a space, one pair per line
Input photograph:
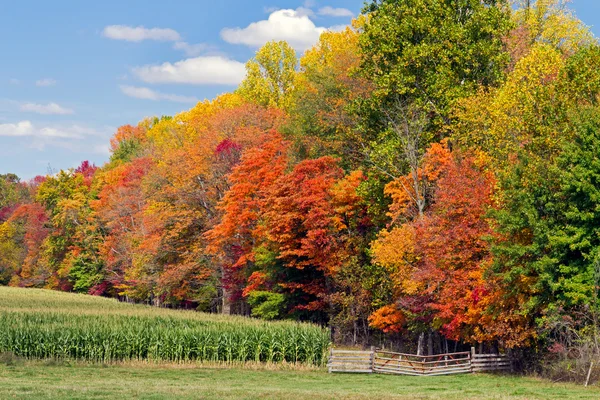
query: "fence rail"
386, 362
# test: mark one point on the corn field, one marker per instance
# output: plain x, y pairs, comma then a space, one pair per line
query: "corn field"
44, 324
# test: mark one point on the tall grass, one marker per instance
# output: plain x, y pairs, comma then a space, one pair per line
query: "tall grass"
45, 324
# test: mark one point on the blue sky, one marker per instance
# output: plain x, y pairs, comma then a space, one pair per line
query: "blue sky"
74, 70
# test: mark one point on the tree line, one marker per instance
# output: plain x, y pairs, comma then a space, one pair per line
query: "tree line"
432, 169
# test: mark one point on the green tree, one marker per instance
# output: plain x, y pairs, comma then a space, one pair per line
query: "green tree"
433, 52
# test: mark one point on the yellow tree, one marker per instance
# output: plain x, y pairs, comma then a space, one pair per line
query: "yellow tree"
270, 76
526, 110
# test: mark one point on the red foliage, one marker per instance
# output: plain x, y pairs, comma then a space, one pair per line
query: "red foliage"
87, 170
34, 218
233, 239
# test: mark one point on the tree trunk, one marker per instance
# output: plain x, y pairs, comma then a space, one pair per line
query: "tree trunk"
429, 343
420, 344
225, 305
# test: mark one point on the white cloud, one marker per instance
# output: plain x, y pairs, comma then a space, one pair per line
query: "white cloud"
335, 12
302, 11
75, 138
204, 70
191, 50
139, 33
46, 109
23, 128
26, 128
45, 82
149, 94
290, 25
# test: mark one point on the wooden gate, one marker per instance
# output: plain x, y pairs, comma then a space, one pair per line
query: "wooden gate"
409, 364
387, 362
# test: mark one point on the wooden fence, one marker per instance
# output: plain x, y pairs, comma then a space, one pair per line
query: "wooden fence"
386, 362
490, 362
351, 361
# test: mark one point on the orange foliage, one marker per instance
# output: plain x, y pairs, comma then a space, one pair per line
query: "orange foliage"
387, 319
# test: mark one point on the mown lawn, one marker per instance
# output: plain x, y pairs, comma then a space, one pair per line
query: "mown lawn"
41, 380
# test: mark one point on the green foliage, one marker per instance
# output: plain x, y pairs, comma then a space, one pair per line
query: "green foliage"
85, 273
433, 52
11, 192
549, 221
127, 151
266, 305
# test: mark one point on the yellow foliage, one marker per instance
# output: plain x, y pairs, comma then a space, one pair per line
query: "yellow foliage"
187, 127
552, 22
395, 251
514, 115
271, 76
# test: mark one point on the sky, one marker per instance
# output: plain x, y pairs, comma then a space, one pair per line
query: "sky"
72, 71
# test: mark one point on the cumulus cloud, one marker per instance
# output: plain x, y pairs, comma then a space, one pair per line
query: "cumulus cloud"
45, 82
139, 33
335, 12
293, 26
46, 109
302, 11
149, 94
74, 137
28, 129
23, 128
206, 70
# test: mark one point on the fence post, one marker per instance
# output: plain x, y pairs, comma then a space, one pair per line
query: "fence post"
372, 358
472, 357
330, 359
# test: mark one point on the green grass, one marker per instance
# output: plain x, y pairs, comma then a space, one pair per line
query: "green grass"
37, 380
40, 324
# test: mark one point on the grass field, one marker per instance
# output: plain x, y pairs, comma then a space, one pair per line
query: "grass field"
38, 380
40, 324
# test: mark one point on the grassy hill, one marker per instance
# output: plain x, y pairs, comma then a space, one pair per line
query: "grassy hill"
42, 324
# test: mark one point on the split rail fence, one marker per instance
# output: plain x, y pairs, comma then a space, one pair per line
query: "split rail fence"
386, 362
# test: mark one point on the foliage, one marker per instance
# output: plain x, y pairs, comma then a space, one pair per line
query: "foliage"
266, 305
433, 52
270, 76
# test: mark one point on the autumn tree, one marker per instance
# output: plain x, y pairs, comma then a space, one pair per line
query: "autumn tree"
70, 250
270, 76
233, 238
